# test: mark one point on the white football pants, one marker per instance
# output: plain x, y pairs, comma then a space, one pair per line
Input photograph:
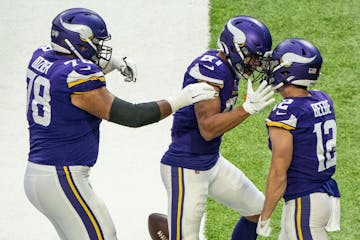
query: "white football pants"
188, 191
65, 197
309, 217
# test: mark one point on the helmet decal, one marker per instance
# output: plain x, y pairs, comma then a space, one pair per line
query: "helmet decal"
289, 58
239, 36
84, 31
292, 57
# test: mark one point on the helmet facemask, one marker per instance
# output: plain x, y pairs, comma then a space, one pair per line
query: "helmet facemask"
245, 63
103, 54
269, 66
252, 65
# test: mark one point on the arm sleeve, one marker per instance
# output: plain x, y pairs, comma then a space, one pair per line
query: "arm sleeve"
134, 115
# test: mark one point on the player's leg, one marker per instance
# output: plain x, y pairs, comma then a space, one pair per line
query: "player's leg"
305, 217
187, 195
232, 188
319, 215
95, 204
65, 197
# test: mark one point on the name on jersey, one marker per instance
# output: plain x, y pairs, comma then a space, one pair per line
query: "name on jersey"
41, 64
321, 108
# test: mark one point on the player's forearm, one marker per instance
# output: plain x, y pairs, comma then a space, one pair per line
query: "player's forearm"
137, 115
165, 108
216, 125
276, 185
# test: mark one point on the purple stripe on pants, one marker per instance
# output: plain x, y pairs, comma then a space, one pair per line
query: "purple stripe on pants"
305, 207
75, 202
177, 181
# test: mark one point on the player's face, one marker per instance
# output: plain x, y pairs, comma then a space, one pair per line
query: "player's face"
252, 62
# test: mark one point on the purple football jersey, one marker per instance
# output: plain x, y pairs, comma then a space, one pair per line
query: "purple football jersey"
60, 133
311, 121
188, 148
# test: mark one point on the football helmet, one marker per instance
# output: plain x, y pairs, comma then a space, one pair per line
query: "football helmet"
81, 32
295, 61
242, 37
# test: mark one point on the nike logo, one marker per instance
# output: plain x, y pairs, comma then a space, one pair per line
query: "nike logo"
280, 113
211, 68
85, 68
216, 94
195, 96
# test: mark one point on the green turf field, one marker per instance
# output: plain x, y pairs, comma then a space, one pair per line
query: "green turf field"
334, 27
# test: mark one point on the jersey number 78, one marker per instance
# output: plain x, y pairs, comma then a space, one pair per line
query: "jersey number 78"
39, 88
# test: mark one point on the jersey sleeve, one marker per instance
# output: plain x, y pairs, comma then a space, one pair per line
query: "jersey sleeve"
85, 76
208, 71
283, 115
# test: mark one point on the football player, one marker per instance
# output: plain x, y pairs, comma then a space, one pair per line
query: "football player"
192, 169
66, 100
302, 137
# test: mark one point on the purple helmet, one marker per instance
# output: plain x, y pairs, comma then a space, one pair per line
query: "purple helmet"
81, 32
295, 61
244, 36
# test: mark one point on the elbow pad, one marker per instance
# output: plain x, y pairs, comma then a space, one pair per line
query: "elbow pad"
134, 115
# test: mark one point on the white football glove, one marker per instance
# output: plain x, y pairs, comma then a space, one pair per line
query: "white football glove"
263, 228
256, 101
191, 94
126, 67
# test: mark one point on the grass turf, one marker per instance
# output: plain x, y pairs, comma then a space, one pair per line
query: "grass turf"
334, 27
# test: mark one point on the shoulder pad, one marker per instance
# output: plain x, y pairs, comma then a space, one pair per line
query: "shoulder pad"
206, 72
282, 115
83, 71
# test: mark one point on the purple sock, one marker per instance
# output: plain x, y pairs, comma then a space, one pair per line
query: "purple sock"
244, 230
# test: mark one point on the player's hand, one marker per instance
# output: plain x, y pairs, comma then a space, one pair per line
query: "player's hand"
123, 64
191, 94
263, 227
197, 92
128, 69
256, 101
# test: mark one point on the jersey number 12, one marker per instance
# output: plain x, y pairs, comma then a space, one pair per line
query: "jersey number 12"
325, 151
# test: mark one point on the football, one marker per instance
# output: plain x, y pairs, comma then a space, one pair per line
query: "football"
158, 226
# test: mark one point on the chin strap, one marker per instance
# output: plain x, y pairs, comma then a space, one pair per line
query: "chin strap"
73, 49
